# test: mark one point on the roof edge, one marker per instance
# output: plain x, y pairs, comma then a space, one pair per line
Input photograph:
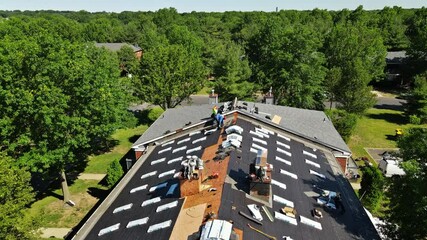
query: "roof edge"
344, 151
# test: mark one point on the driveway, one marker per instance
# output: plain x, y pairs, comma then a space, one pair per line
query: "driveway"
390, 103
376, 153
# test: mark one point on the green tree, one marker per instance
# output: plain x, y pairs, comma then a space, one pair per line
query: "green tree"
287, 58
15, 195
344, 122
103, 29
332, 80
232, 72
407, 215
357, 52
169, 75
371, 188
59, 101
393, 28
417, 33
114, 173
128, 61
417, 101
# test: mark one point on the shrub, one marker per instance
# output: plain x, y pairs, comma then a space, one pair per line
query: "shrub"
371, 188
343, 121
155, 113
414, 119
114, 173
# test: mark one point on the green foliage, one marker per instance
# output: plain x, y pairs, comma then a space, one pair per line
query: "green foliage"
15, 195
155, 113
417, 33
359, 54
287, 58
58, 99
372, 187
407, 194
114, 173
127, 60
344, 122
414, 119
169, 75
391, 23
417, 101
232, 72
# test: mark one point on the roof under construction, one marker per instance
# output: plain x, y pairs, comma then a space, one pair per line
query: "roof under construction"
154, 201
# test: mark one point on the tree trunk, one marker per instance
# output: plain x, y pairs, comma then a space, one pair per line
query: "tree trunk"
65, 190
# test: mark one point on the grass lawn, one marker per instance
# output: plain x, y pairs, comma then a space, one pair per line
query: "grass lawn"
206, 90
99, 163
376, 130
52, 212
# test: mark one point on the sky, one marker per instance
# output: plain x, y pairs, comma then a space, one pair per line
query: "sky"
202, 5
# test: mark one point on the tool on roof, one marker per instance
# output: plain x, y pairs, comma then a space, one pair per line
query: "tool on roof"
261, 232
256, 213
270, 217
250, 218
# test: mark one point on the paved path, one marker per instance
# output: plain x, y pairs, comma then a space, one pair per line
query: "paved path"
91, 176
54, 232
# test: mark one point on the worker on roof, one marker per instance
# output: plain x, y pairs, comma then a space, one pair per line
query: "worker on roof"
215, 110
220, 120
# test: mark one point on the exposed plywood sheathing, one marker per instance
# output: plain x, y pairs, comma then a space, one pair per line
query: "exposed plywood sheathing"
276, 119
211, 167
188, 222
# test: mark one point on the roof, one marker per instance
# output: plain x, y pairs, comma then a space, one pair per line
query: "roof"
396, 57
310, 124
117, 46
155, 204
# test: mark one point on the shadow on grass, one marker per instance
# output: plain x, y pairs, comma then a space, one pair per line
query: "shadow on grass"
391, 137
390, 107
104, 146
98, 193
134, 138
142, 117
389, 117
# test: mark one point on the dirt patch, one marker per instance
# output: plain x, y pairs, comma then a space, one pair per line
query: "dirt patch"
58, 214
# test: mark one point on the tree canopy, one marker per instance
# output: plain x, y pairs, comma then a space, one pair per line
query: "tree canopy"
170, 74
357, 53
15, 194
407, 214
59, 100
287, 58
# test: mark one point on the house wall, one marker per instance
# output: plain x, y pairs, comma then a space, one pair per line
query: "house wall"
342, 161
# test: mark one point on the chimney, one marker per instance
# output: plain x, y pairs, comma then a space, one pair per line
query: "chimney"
269, 98
213, 97
260, 175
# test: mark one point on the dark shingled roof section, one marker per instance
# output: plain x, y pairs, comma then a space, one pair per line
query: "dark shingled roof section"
136, 212
311, 124
353, 223
117, 46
